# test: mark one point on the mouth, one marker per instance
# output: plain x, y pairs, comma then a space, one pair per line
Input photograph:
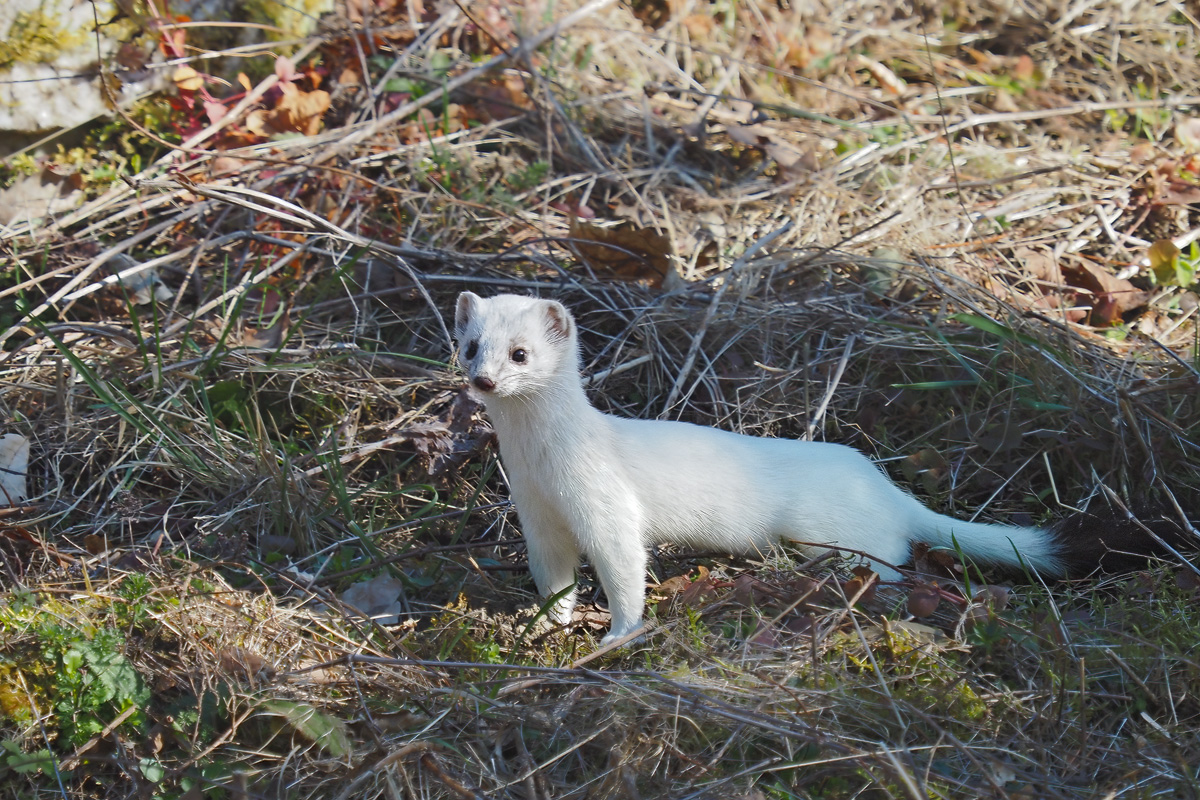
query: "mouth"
483, 384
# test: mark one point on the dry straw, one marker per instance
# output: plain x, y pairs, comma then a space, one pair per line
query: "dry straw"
882, 222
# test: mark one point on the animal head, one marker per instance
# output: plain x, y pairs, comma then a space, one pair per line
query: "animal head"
512, 345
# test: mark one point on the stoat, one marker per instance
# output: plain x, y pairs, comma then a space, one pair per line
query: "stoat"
589, 483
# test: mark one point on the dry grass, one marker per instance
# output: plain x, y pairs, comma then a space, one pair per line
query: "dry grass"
903, 228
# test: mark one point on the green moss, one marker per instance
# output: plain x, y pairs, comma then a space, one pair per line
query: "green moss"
36, 37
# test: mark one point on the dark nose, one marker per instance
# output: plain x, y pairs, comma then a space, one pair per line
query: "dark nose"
483, 383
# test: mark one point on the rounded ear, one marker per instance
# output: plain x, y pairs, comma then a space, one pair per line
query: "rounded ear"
559, 322
464, 310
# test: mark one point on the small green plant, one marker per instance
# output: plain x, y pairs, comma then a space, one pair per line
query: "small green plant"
1148, 123
134, 610
14, 759
93, 681
528, 177
1171, 267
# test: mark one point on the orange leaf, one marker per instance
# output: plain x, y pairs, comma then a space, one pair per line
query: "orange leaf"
187, 79
296, 111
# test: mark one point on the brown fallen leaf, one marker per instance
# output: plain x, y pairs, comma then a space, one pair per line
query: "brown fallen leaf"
637, 255
812, 48
926, 465
861, 588
788, 156
934, 561
446, 443
699, 26
1112, 296
243, 664
503, 97
765, 637
923, 600
1187, 580
672, 586
1045, 288
750, 591
296, 111
1024, 70
700, 592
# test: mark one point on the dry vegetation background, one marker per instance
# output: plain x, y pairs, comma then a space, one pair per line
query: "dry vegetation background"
956, 236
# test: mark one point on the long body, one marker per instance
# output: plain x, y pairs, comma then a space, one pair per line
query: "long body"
591, 484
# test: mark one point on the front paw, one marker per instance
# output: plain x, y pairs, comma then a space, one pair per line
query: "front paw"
615, 636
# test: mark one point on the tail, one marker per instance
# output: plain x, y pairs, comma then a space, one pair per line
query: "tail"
1078, 545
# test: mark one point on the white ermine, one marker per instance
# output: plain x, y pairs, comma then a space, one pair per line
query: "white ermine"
588, 483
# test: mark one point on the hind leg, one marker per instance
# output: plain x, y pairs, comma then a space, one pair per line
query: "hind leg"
619, 559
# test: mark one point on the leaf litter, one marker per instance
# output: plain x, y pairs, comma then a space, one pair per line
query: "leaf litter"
218, 460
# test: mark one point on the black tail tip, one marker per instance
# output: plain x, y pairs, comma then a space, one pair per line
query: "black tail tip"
1117, 542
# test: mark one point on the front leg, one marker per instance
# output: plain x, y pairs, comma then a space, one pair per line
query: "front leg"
553, 557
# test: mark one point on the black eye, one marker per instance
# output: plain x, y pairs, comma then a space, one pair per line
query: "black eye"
519, 355
472, 350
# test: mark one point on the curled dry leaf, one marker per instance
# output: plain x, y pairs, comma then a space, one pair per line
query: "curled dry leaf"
671, 587
701, 592
1045, 287
187, 79
630, 253
934, 561
924, 599
243, 664
296, 111
861, 588
447, 442
690, 591
1112, 297
1187, 580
